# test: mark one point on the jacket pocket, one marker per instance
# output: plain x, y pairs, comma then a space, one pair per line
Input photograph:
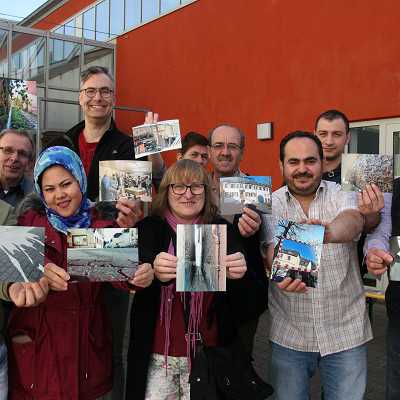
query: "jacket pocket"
21, 360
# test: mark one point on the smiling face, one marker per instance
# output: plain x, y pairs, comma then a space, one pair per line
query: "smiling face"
302, 167
15, 158
97, 107
186, 207
333, 137
61, 191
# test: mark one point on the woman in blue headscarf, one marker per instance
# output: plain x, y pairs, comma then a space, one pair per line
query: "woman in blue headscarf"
62, 348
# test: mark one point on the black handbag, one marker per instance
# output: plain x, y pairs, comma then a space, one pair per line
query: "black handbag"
225, 373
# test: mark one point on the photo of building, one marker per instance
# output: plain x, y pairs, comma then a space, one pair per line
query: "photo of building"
104, 254
297, 252
239, 191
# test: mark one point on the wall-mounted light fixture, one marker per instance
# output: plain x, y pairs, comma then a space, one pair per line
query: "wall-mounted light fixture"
264, 131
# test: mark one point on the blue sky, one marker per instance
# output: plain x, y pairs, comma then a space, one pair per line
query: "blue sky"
19, 8
303, 249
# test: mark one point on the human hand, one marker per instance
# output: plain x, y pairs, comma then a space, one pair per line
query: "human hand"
143, 276
370, 200
377, 261
129, 212
29, 294
165, 267
235, 266
151, 118
249, 223
293, 286
57, 277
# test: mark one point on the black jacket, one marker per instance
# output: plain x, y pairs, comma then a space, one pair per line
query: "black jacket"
232, 307
114, 145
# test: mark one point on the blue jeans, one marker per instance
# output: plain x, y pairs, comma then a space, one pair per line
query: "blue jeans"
393, 361
3, 371
343, 374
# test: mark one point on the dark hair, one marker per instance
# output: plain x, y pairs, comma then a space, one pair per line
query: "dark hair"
95, 70
180, 171
192, 139
299, 135
238, 130
331, 115
22, 133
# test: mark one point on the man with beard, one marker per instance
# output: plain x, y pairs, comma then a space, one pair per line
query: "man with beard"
226, 147
16, 160
326, 326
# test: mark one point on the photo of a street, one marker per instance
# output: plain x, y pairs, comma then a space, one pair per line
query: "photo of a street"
108, 254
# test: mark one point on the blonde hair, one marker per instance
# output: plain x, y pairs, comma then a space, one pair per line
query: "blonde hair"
185, 171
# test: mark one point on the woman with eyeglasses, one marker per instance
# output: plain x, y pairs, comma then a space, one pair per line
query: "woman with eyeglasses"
159, 352
62, 349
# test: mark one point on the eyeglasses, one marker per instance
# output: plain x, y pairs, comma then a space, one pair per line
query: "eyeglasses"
180, 188
9, 151
105, 92
229, 146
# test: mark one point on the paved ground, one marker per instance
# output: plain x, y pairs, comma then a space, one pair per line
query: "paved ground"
376, 356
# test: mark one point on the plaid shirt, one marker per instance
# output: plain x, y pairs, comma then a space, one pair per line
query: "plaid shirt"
331, 317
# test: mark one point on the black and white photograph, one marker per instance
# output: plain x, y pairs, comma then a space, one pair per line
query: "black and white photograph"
21, 253
18, 105
297, 252
358, 170
240, 191
201, 252
125, 178
394, 270
103, 254
155, 138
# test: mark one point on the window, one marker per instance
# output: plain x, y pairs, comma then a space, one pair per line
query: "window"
117, 17
133, 13
69, 30
88, 24
102, 20
167, 5
150, 9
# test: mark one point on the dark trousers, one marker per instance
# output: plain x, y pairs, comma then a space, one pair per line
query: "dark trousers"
393, 361
247, 332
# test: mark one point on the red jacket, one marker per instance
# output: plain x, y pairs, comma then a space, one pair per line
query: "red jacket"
70, 356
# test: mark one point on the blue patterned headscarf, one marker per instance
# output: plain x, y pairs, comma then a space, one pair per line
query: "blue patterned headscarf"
66, 158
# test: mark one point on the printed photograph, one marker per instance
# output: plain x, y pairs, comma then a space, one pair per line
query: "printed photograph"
297, 252
394, 270
21, 253
155, 138
18, 105
358, 170
103, 254
125, 178
201, 252
239, 191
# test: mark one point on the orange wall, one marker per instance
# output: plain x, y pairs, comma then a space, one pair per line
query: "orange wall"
58, 16
245, 62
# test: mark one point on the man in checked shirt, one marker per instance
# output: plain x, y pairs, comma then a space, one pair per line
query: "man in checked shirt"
326, 327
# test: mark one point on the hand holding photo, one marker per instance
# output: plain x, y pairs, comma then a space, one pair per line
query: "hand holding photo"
155, 138
201, 252
297, 252
358, 170
125, 179
21, 253
240, 191
103, 254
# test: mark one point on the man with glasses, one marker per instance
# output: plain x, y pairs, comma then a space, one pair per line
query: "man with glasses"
226, 147
16, 164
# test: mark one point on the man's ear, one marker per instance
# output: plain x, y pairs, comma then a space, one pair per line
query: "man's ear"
281, 167
348, 137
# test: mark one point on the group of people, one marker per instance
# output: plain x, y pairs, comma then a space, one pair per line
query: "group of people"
65, 339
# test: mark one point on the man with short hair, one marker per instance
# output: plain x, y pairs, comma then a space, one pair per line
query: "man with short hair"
17, 154
226, 147
194, 147
326, 326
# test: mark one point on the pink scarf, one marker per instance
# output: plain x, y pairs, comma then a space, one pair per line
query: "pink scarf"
167, 297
